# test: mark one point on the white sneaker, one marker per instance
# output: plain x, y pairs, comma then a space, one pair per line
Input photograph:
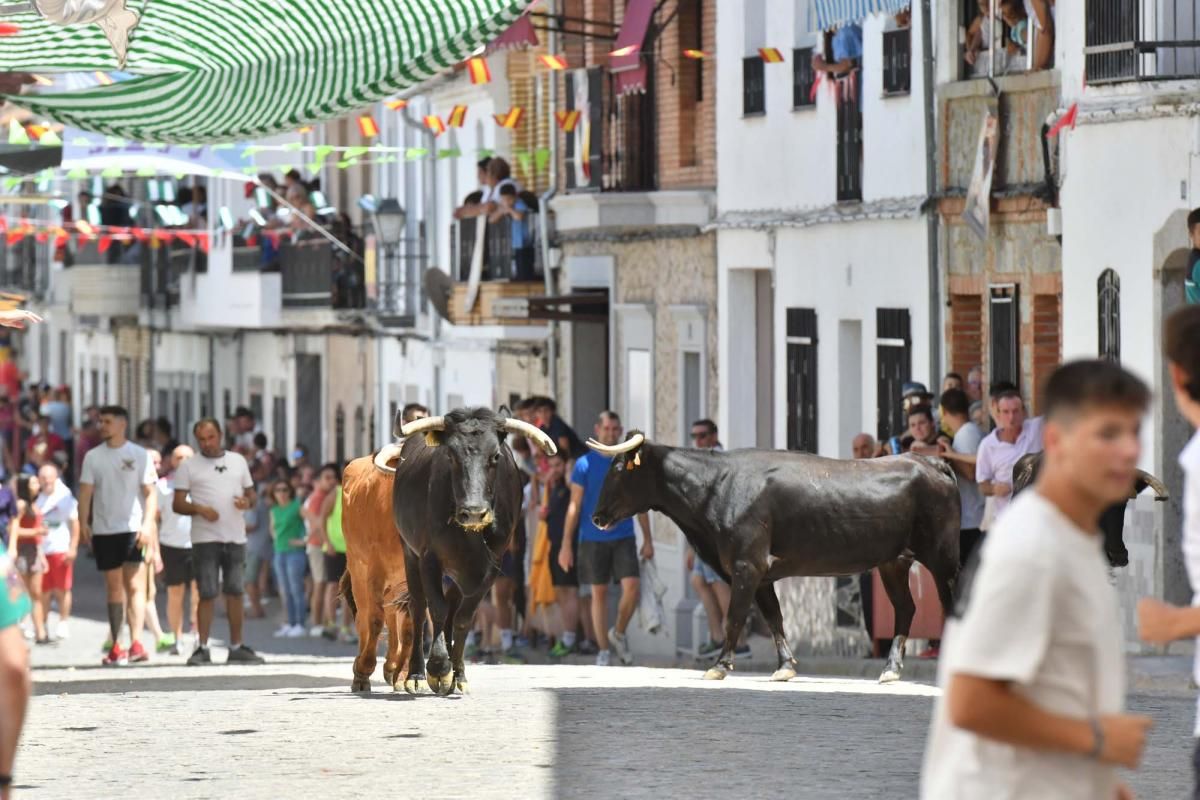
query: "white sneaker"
283, 631
316, 631
27, 632
296, 632
61, 631
620, 646
602, 658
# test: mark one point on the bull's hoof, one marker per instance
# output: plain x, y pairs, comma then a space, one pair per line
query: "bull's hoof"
389, 676
361, 685
441, 684
714, 674
783, 674
414, 684
462, 687
890, 675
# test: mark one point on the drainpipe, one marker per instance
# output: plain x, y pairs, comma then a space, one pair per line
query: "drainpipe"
212, 380
544, 216
931, 211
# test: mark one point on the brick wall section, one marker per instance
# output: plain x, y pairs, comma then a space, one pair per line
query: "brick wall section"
966, 333
1046, 332
534, 130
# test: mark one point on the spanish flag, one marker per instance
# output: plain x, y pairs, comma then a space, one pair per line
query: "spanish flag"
627, 50
511, 119
477, 68
771, 55
435, 124
458, 115
567, 120
396, 105
554, 62
695, 55
305, 129
367, 126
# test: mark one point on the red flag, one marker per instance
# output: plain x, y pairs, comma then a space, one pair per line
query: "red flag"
164, 236
695, 55
511, 119
7, 29
816, 86
1066, 120
458, 115
186, 238
435, 124
478, 70
140, 234
202, 240
367, 126
41, 236
567, 120
251, 241
554, 62
396, 105
770, 55
104, 243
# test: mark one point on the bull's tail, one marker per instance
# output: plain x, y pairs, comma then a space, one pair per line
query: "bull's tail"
347, 592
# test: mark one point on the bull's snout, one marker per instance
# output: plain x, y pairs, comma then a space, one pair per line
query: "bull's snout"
474, 517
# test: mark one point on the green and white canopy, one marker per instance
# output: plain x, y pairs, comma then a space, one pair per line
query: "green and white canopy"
216, 70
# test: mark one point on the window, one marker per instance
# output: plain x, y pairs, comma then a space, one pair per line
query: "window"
754, 96
897, 61
279, 424
966, 332
802, 379
1108, 292
1005, 333
639, 388
1147, 39
690, 387
893, 355
849, 151
803, 78
691, 80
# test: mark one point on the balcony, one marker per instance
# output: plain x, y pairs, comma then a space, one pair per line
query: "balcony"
19, 266
499, 259
1140, 40
619, 153
318, 275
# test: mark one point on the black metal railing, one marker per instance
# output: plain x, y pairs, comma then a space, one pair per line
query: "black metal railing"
754, 86
622, 143
19, 268
849, 144
897, 61
501, 261
1134, 40
318, 275
803, 78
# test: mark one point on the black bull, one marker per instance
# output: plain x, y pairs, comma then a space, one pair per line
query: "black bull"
756, 516
1112, 521
456, 501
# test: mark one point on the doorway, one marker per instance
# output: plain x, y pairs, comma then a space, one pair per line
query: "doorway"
308, 405
850, 393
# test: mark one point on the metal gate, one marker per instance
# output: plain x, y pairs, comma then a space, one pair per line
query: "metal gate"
1005, 329
802, 379
893, 354
308, 405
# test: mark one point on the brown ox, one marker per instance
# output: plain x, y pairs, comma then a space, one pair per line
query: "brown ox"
375, 579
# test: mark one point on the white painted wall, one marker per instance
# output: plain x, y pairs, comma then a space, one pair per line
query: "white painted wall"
95, 350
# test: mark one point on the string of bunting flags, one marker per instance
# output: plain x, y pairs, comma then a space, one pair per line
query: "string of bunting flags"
14, 230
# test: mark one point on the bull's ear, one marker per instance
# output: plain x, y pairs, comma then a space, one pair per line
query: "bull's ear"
433, 438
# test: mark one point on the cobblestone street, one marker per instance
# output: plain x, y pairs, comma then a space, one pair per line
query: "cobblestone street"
293, 727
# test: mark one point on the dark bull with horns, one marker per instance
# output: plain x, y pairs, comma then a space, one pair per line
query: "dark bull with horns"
756, 516
456, 500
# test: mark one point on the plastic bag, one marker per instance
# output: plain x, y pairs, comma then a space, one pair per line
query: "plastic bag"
651, 612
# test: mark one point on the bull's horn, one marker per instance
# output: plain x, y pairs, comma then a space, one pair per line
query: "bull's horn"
1160, 488
422, 425
629, 445
533, 432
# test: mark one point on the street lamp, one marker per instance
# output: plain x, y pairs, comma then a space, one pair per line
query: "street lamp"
389, 221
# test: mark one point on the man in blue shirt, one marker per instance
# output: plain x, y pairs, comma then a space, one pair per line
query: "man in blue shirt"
604, 555
847, 52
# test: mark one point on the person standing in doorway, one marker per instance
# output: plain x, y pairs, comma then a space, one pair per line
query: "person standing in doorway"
608, 555
117, 508
1035, 708
221, 489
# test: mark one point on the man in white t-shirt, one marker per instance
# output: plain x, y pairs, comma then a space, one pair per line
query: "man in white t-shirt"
962, 455
117, 509
221, 490
1158, 621
1014, 437
1033, 672
175, 545
60, 514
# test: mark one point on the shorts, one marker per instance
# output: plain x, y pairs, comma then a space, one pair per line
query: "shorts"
60, 573
708, 574
508, 566
30, 560
316, 563
177, 565
602, 563
14, 602
335, 567
114, 549
557, 576
219, 568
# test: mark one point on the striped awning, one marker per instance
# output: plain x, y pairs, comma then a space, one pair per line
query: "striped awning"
836, 13
242, 69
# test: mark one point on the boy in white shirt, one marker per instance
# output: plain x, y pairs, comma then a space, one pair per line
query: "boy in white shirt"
1158, 621
1034, 671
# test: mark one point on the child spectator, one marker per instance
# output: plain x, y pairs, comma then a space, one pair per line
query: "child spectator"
26, 532
513, 208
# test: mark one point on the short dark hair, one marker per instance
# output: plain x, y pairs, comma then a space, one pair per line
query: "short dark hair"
508, 190
114, 411
709, 425
1193, 219
527, 404
242, 411
200, 423
1005, 394
164, 425
294, 174
260, 440
956, 402
608, 415
1181, 344
474, 198
954, 375
1000, 387
545, 402
1092, 382
409, 412
921, 410
331, 467
483, 162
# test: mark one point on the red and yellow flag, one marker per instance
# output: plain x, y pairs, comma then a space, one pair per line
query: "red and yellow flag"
458, 115
567, 120
695, 55
771, 55
367, 126
511, 119
627, 50
435, 124
477, 68
554, 62
305, 129
396, 105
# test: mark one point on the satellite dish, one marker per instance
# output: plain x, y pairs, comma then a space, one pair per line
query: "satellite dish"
439, 288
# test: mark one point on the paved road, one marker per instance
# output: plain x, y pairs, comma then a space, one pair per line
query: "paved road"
293, 727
